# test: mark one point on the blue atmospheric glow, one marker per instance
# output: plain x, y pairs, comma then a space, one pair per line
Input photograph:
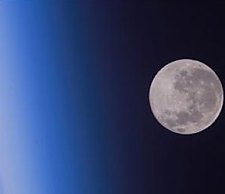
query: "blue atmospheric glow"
37, 119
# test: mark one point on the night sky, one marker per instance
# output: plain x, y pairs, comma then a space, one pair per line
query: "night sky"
74, 85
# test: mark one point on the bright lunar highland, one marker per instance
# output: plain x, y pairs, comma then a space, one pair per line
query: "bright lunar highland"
186, 96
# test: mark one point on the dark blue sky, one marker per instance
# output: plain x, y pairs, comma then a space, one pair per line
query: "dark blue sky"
75, 116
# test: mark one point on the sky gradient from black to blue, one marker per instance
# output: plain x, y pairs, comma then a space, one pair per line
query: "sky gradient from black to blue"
74, 84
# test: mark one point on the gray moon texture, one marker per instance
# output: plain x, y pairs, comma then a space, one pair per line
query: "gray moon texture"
186, 96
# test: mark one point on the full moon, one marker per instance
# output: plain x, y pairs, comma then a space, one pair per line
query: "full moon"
186, 96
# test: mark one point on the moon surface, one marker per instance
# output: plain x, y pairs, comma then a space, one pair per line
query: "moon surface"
186, 96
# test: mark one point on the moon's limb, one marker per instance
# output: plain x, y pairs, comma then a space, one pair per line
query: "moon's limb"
186, 96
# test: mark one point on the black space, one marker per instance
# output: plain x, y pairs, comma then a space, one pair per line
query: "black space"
130, 42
